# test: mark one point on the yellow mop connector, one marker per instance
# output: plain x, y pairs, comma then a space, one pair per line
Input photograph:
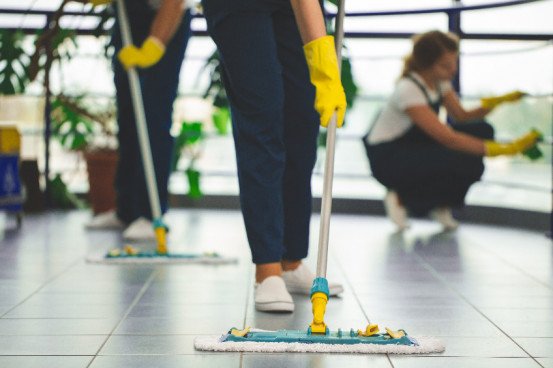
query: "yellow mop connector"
161, 236
239, 333
395, 334
371, 329
319, 298
130, 250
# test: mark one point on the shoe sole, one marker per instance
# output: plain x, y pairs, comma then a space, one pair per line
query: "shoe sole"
274, 307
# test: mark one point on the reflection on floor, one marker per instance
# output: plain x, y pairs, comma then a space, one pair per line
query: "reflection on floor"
487, 292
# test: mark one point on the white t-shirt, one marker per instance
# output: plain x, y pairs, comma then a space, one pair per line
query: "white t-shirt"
393, 121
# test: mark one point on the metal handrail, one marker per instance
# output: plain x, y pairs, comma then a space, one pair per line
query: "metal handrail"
449, 9
454, 9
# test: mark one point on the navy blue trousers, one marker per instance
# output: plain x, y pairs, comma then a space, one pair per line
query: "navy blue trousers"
159, 89
424, 173
275, 125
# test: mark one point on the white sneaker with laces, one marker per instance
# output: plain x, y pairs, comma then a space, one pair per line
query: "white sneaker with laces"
105, 220
271, 296
300, 280
443, 216
395, 211
140, 229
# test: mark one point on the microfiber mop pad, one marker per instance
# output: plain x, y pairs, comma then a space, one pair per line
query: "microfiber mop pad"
131, 255
333, 342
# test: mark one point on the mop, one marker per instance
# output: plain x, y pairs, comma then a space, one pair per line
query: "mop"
318, 338
129, 253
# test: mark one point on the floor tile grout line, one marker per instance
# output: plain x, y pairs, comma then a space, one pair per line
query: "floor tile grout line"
390, 360
436, 274
139, 295
71, 265
348, 282
521, 270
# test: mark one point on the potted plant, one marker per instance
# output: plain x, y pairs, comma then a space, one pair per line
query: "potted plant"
190, 138
91, 133
189, 142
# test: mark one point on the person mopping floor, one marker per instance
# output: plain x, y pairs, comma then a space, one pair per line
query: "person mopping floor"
160, 33
275, 128
133, 58
270, 33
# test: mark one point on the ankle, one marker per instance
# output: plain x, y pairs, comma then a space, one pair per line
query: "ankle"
265, 270
288, 265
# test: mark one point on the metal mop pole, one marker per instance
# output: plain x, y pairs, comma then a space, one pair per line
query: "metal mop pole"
326, 200
319, 291
142, 129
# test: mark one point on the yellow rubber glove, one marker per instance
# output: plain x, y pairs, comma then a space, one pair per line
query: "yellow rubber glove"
519, 145
147, 55
99, 2
325, 76
492, 102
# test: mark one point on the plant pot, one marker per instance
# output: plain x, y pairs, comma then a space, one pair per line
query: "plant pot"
101, 166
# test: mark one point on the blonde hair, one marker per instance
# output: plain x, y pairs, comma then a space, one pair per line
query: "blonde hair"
428, 47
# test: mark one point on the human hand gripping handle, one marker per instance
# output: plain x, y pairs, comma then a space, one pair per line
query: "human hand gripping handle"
148, 54
492, 102
519, 145
325, 76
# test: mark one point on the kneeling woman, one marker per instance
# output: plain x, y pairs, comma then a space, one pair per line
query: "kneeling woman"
426, 165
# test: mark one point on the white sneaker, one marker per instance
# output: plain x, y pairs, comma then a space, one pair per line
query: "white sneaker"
443, 216
395, 211
140, 229
300, 280
105, 220
271, 296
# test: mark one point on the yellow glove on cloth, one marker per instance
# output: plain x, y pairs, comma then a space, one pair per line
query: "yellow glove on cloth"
325, 76
147, 55
99, 2
492, 102
517, 146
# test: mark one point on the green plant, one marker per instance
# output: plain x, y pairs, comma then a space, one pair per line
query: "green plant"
77, 128
215, 90
189, 142
14, 75
191, 135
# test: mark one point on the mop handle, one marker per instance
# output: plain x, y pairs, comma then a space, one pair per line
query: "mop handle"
142, 129
326, 200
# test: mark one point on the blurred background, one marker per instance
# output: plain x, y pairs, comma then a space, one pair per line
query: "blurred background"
506, 45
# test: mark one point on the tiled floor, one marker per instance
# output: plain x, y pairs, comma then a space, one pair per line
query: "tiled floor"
487, 292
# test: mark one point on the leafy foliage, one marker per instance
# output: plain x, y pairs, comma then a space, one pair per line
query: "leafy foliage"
191, 134
350, 87
14, 62
73, 129
216, 89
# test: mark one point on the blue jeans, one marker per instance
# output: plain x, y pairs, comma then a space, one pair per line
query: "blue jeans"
275, 125
159, 89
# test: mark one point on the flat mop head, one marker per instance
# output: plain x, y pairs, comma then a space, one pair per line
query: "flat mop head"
391, 342
131, 255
